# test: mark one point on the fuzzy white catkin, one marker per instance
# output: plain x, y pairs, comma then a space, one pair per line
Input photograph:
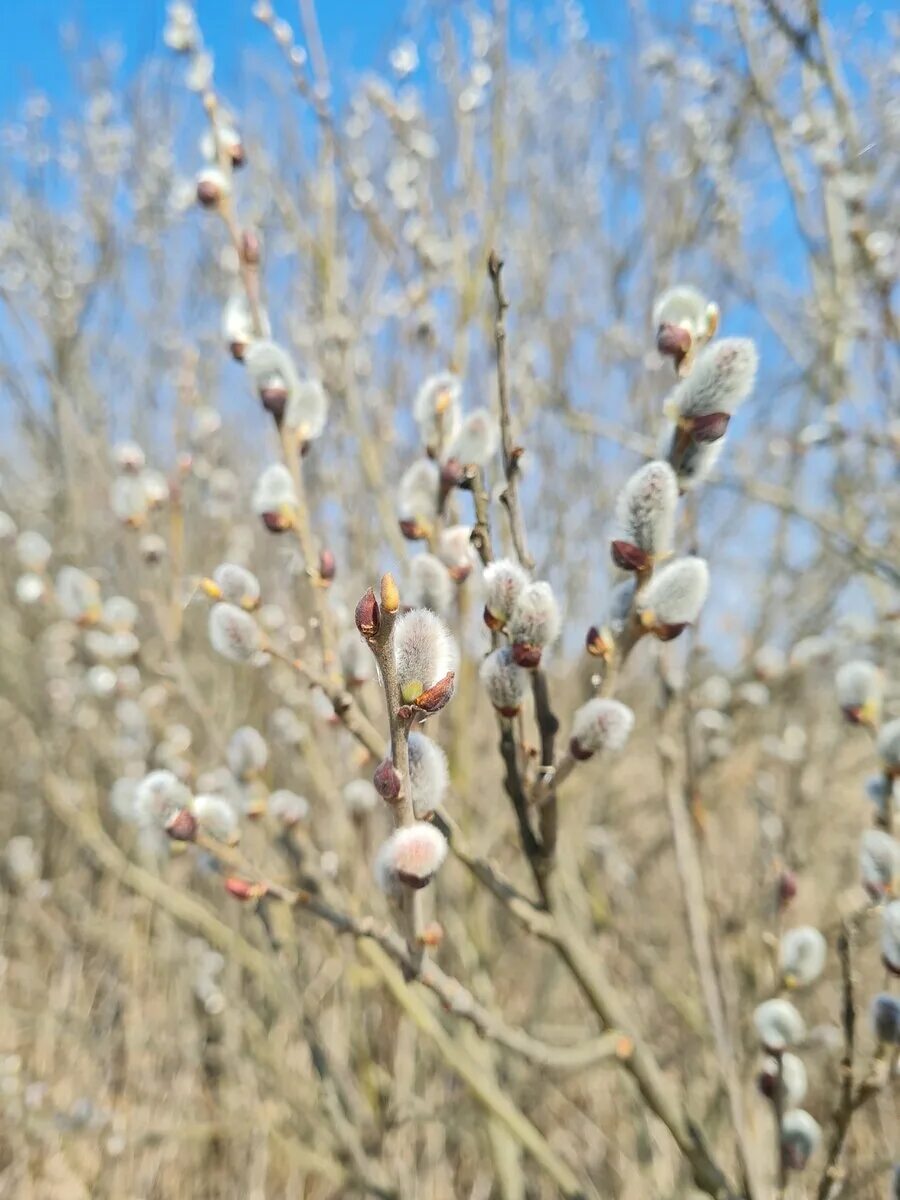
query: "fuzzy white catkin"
885, 1015
698, 461
268, 364
879, 862
646, 506
128, 457
685, 306
475, 441
233, 633
237, 584
888, 745
289, 808
602, 724
793, 1077
214, 178
360, 797
504, 681
535, 619
890, 936
858, 683
802, 955
411, 855
158, 796
77, 594
429, 774
128, 499
504, 582
436, 407
306, 411
676, 592
216, 816
455, 550
246, 753
778, 1024
430, 585
800, 1137
237, 321
721, 379
274, 490
424, 649
417, 496
120, 614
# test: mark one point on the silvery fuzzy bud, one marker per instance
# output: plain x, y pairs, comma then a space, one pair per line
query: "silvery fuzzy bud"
504, 681
429, 774
100, 681
534, 624
224, 142
238, 329
153, 548
674, 596
234, 634
181, 32
426, 655
436, 408
306, 411
888, 746
885, 1014
129, 458
696, 462
216, 816
504, 582
357, 663
769, 663
890, 936
78, 595
417, 499
778, 1025
120, 614
800, 1137
33, 551
684, 308
802, 956
287, 807
212, 184
236, 585
274, 498
411, 856
792, 1073
157, 798
430, 585
475, 441
879, 863
128, 500
456, 552
645, 510
721, 379
600, 724
246, 753
156, 488
273, 375
859, 686
360, 797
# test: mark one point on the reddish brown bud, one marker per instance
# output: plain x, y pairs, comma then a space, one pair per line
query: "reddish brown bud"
327, 566
767, 1081
598, 644
578, 752
237, 155
525, 655
243, 889
414, 881
710, 427
387, 781
368, 615
674, 341
413, 530
182, 826
460, 573
495, 624
628, 556
238, 350
274, 398
787, 888
853, 714
668, 633
509, 713
276, 522
208, 193
250, 248
433, 699
452, 474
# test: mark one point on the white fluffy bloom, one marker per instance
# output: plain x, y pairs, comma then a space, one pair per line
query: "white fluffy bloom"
129, 457
237, 325
436, 408
504, 582
534, 624
128, 499
216, 816
212, 184
33, 550
274, 497
271, 367
675, 594
360, 797
410, 856
879, 862
455, 550
236, 584
721, 379
793, 1078
30, 588
686, 307
199, 73
778, 1025
859, 686
429, 774
890, 936
800, 1137
430, 585
697, 462
504, 681
646, 508
425, 652
180, 32
120, 614
417, 498
158, 797
475, 441
78, 595
600, 724
233, 633
288, 807
246, 753
802, 956
306, 410
888, 746
156, 487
